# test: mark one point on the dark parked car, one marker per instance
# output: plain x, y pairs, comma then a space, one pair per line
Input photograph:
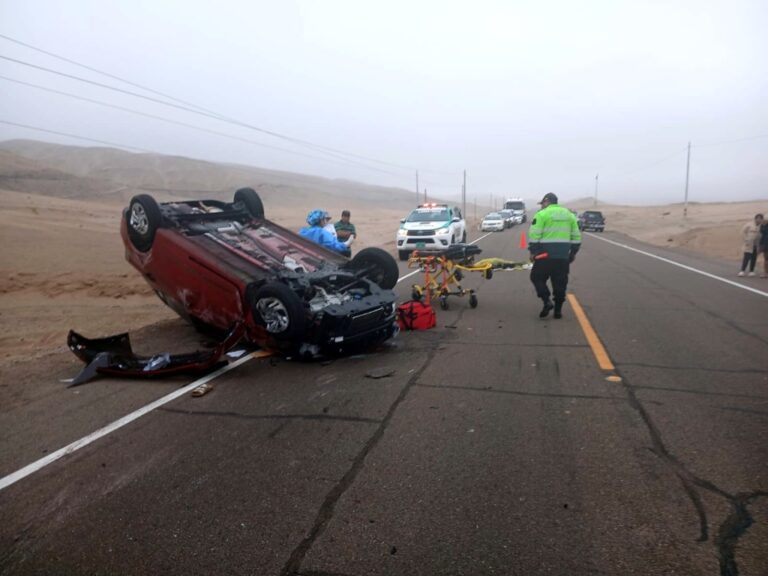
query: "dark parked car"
220, 264
592, 220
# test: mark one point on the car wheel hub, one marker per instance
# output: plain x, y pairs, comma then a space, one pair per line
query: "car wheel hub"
274, 314
139, 220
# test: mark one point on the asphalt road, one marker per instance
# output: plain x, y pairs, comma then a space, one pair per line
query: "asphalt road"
496, 446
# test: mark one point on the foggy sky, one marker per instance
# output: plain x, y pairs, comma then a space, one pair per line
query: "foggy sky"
528, 97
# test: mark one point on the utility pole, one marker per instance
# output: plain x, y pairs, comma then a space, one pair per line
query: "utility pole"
597, 176
687, 174
464, 196
417, 187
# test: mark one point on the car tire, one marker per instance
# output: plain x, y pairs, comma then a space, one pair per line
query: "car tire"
277, 309
403, 255
381, 267
252, 202
143, 218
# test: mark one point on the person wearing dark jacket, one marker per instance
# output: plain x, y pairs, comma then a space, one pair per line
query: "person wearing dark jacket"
763, 246
554, 239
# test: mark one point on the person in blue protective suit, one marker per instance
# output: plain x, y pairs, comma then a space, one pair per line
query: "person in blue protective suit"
317, 220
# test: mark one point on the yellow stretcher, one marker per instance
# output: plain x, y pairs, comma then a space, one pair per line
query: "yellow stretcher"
444, 271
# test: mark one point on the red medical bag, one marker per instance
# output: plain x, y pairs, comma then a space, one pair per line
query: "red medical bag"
415, 315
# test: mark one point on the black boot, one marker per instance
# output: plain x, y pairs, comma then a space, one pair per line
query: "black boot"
545, 310
558, 310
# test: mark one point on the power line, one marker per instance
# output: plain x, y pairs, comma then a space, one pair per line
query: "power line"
102, 72
721, 142
76, 137
656, 163
210, 114
192, 126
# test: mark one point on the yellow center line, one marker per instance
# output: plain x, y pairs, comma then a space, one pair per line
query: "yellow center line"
603, 360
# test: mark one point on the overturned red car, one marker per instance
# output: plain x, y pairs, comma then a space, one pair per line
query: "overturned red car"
220, 264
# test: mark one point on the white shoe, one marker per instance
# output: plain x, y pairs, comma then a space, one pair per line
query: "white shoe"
740, 273
751, 274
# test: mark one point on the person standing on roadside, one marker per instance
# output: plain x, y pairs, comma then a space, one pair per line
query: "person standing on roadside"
345, 228
763, 247
554, 239
750, 235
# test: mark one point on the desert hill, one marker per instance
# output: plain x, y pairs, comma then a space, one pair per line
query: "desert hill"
123, 174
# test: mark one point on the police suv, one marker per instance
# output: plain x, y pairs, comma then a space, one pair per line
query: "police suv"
430, 228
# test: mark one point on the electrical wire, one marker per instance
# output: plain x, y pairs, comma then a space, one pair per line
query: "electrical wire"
210, 114
102, 72
656, 163
76, 137
722, 142
194, 127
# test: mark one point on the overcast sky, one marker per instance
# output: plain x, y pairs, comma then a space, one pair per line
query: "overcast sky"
528, 97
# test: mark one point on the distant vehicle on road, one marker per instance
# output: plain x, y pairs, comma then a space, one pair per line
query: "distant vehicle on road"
493, 222
430, 228
592, 220
510, 218
517, 205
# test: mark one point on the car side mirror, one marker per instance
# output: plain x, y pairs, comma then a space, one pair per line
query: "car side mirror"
402, 220
456, 220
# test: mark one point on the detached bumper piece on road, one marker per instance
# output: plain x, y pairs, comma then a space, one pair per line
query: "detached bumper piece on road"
114, 356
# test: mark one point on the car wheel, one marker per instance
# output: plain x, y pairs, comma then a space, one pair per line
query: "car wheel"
379, 266
403, 255
279, 311
252, 202
144, 218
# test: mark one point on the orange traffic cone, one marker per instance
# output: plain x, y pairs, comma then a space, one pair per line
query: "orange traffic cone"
523, 241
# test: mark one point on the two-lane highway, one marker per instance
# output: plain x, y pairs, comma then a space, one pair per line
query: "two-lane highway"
496, 445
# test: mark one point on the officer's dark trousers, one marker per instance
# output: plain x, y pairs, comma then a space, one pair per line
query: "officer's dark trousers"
557, 271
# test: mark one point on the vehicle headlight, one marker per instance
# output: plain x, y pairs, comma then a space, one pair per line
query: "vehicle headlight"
444, 230
402, 232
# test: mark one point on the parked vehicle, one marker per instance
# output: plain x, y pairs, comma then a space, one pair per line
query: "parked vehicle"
493, 222
592, 220
510, 218
517, 205
220, 264
430, 228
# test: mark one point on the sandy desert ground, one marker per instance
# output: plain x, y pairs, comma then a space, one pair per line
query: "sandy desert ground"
63, 267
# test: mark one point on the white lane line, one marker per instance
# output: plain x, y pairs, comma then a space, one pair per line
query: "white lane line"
418, 271
125, 420
689, 268
84, 441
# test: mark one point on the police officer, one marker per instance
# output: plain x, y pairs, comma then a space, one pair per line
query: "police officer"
554, 239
